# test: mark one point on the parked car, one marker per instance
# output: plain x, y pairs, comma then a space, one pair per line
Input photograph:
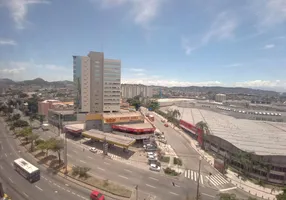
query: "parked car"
93, 149
96, 195
163, 120
154, 167
151, 154
166, 125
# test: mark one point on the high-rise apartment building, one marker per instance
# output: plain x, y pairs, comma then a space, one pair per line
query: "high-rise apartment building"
97, 82
132, 90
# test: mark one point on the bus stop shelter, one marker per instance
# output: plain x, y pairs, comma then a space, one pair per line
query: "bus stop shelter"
110, 138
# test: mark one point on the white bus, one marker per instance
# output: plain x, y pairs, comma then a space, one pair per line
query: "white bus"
27, 170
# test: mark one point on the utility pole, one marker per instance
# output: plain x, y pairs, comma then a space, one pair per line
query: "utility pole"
136, 188
1, 191
198, 185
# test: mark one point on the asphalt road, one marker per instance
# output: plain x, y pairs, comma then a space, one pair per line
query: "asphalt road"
150, 183
49, 187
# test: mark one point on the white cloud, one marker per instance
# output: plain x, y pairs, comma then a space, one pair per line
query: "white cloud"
234, 65
140, 74
9, 71
169, 83
223, 27
186, 45
262, 84
29, 70
7, 42
137, 70
142, 11
269, 46
19, 8
270, 12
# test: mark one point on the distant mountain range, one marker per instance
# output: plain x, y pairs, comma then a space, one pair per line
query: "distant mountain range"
5, 82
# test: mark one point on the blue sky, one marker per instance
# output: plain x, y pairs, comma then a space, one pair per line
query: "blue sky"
160, 42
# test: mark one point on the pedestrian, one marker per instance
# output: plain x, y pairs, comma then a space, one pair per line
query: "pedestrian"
173, 184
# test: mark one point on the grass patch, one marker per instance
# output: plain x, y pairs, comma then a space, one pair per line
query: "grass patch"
165, 159
105, 185
178, 161
171, 172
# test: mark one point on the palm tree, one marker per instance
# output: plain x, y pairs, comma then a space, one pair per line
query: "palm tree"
245, 160
203, 126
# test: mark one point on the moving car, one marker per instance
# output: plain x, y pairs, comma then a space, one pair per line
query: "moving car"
93, 149
96, 195
154, 167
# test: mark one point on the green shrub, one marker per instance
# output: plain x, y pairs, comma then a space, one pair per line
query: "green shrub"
178, 161
171, 172
165, 159
39, 141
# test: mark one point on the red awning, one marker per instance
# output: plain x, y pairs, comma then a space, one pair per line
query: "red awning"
135, 130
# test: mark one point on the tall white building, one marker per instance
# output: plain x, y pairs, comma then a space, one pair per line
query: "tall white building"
132, 90
97, 83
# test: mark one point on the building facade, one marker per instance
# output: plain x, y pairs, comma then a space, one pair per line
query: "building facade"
220, 97
97, 83
132, 90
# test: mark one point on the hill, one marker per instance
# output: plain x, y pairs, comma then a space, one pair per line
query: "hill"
38, 81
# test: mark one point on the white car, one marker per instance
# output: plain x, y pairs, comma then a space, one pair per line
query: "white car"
151, 154
93, 149
154, 167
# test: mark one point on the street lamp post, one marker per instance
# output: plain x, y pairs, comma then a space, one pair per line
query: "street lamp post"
136, 188
198, 185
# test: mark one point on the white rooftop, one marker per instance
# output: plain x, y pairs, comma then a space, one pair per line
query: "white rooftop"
261, 137
26, 165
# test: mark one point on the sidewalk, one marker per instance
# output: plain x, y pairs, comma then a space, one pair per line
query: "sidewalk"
247, 185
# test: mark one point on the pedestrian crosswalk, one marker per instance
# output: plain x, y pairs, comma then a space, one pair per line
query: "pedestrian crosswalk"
216, 179
190, 174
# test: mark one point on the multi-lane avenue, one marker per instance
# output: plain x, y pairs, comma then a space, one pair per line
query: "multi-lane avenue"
49, 187
151, 184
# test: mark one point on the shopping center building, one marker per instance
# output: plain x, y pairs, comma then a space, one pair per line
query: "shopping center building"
233, 140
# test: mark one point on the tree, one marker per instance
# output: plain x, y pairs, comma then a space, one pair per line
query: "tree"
203, 126
135, 101
227, 196
20, 123
153, 105
57, 146
42, 118
32, 138
16, 117
245, 160
26, 132
282, 196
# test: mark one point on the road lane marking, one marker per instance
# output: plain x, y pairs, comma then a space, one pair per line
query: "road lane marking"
6, 154
74, 151
11, 180
123, 176
1, 167
38, 187
154, 179
208, 195
82, 161
100, 169
150, 186
174, 193
127, 170
68, 155
25, 194
227, 189
106, 163
90, 157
